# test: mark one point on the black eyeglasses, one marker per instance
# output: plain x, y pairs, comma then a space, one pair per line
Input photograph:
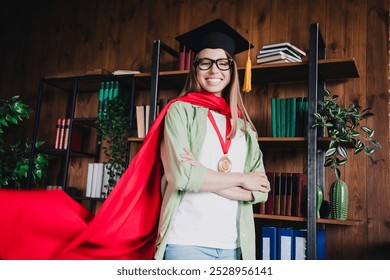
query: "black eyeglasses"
223, 64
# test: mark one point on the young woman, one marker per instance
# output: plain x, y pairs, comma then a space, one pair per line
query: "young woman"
213, 167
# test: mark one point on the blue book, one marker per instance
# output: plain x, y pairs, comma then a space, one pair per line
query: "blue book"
285, 244
268, 238
321, 244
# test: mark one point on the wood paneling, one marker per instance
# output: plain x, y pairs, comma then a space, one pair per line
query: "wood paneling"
46, 36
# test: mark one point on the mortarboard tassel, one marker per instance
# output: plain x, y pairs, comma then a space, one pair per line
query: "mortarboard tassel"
248, 73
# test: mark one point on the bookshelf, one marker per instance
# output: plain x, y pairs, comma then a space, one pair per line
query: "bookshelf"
73, 96
314, 73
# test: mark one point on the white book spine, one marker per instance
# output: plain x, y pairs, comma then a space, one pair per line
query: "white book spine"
88, 191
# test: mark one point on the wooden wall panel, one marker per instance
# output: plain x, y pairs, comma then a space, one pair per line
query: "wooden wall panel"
46, 36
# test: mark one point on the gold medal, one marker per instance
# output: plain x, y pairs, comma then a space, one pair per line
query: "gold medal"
224, 164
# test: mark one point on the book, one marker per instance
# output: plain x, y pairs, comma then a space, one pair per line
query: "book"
286, 244
140, 116
269, 242
282, 114
289, 194
273, 117
125, 72
88, 190
300, 244
62, 133
278, 190
97, 180
276, 56
283, 193
66, 133
299, 252
286, 50
285, 45
270, 203
292, 103
101, 98
182, 57
58, 132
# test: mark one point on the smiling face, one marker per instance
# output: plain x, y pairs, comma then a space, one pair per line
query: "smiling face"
213, 80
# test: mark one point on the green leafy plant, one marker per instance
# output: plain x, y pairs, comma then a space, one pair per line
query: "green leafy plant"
15, 158
344, 127
114, 128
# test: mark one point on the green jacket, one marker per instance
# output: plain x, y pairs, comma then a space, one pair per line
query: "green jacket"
185, 126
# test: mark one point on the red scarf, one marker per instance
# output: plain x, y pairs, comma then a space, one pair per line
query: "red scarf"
51, 225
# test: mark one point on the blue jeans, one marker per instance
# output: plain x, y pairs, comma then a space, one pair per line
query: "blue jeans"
188, 252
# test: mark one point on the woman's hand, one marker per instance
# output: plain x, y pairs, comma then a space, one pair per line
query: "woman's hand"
256, 181
187, 156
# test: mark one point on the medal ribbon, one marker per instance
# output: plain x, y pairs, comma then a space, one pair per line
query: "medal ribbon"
225, 144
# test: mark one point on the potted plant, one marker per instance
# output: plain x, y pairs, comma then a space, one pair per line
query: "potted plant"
15, 158
114, 129
345, 128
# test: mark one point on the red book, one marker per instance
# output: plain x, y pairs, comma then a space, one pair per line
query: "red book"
76, 142
62, 130
58, 131
66, 133
278, 190
283, 194
188, 60
299, 184
289, 195
182, 57
269, 204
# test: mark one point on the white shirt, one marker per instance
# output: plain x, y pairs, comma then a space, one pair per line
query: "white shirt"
205, 218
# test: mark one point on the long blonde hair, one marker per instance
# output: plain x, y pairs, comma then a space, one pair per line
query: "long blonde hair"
232, 95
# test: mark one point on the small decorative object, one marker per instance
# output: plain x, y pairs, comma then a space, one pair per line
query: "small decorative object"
339, 200
344, 127
319, 200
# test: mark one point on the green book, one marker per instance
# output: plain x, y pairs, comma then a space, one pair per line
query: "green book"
106, 96
101, 98
111, 90
282, 114
288, 118
278, 118
273, 117
293, 114
115, 91
299, 116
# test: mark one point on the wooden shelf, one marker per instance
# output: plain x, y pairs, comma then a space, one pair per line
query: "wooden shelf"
330, 69
302, 219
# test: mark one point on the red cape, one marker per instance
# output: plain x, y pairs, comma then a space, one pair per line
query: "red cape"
51, 225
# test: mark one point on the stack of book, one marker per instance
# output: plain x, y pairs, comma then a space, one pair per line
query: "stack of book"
287, 196
109, 90
186, 56
280, 53
97, 180
289, 116
62, 135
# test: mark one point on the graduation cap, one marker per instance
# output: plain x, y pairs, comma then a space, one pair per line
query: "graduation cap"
216, 34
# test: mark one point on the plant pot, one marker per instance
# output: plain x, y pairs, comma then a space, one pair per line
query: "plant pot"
339, 200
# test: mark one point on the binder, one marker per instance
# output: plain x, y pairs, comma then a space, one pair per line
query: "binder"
285, 244
268, 237
300, 240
